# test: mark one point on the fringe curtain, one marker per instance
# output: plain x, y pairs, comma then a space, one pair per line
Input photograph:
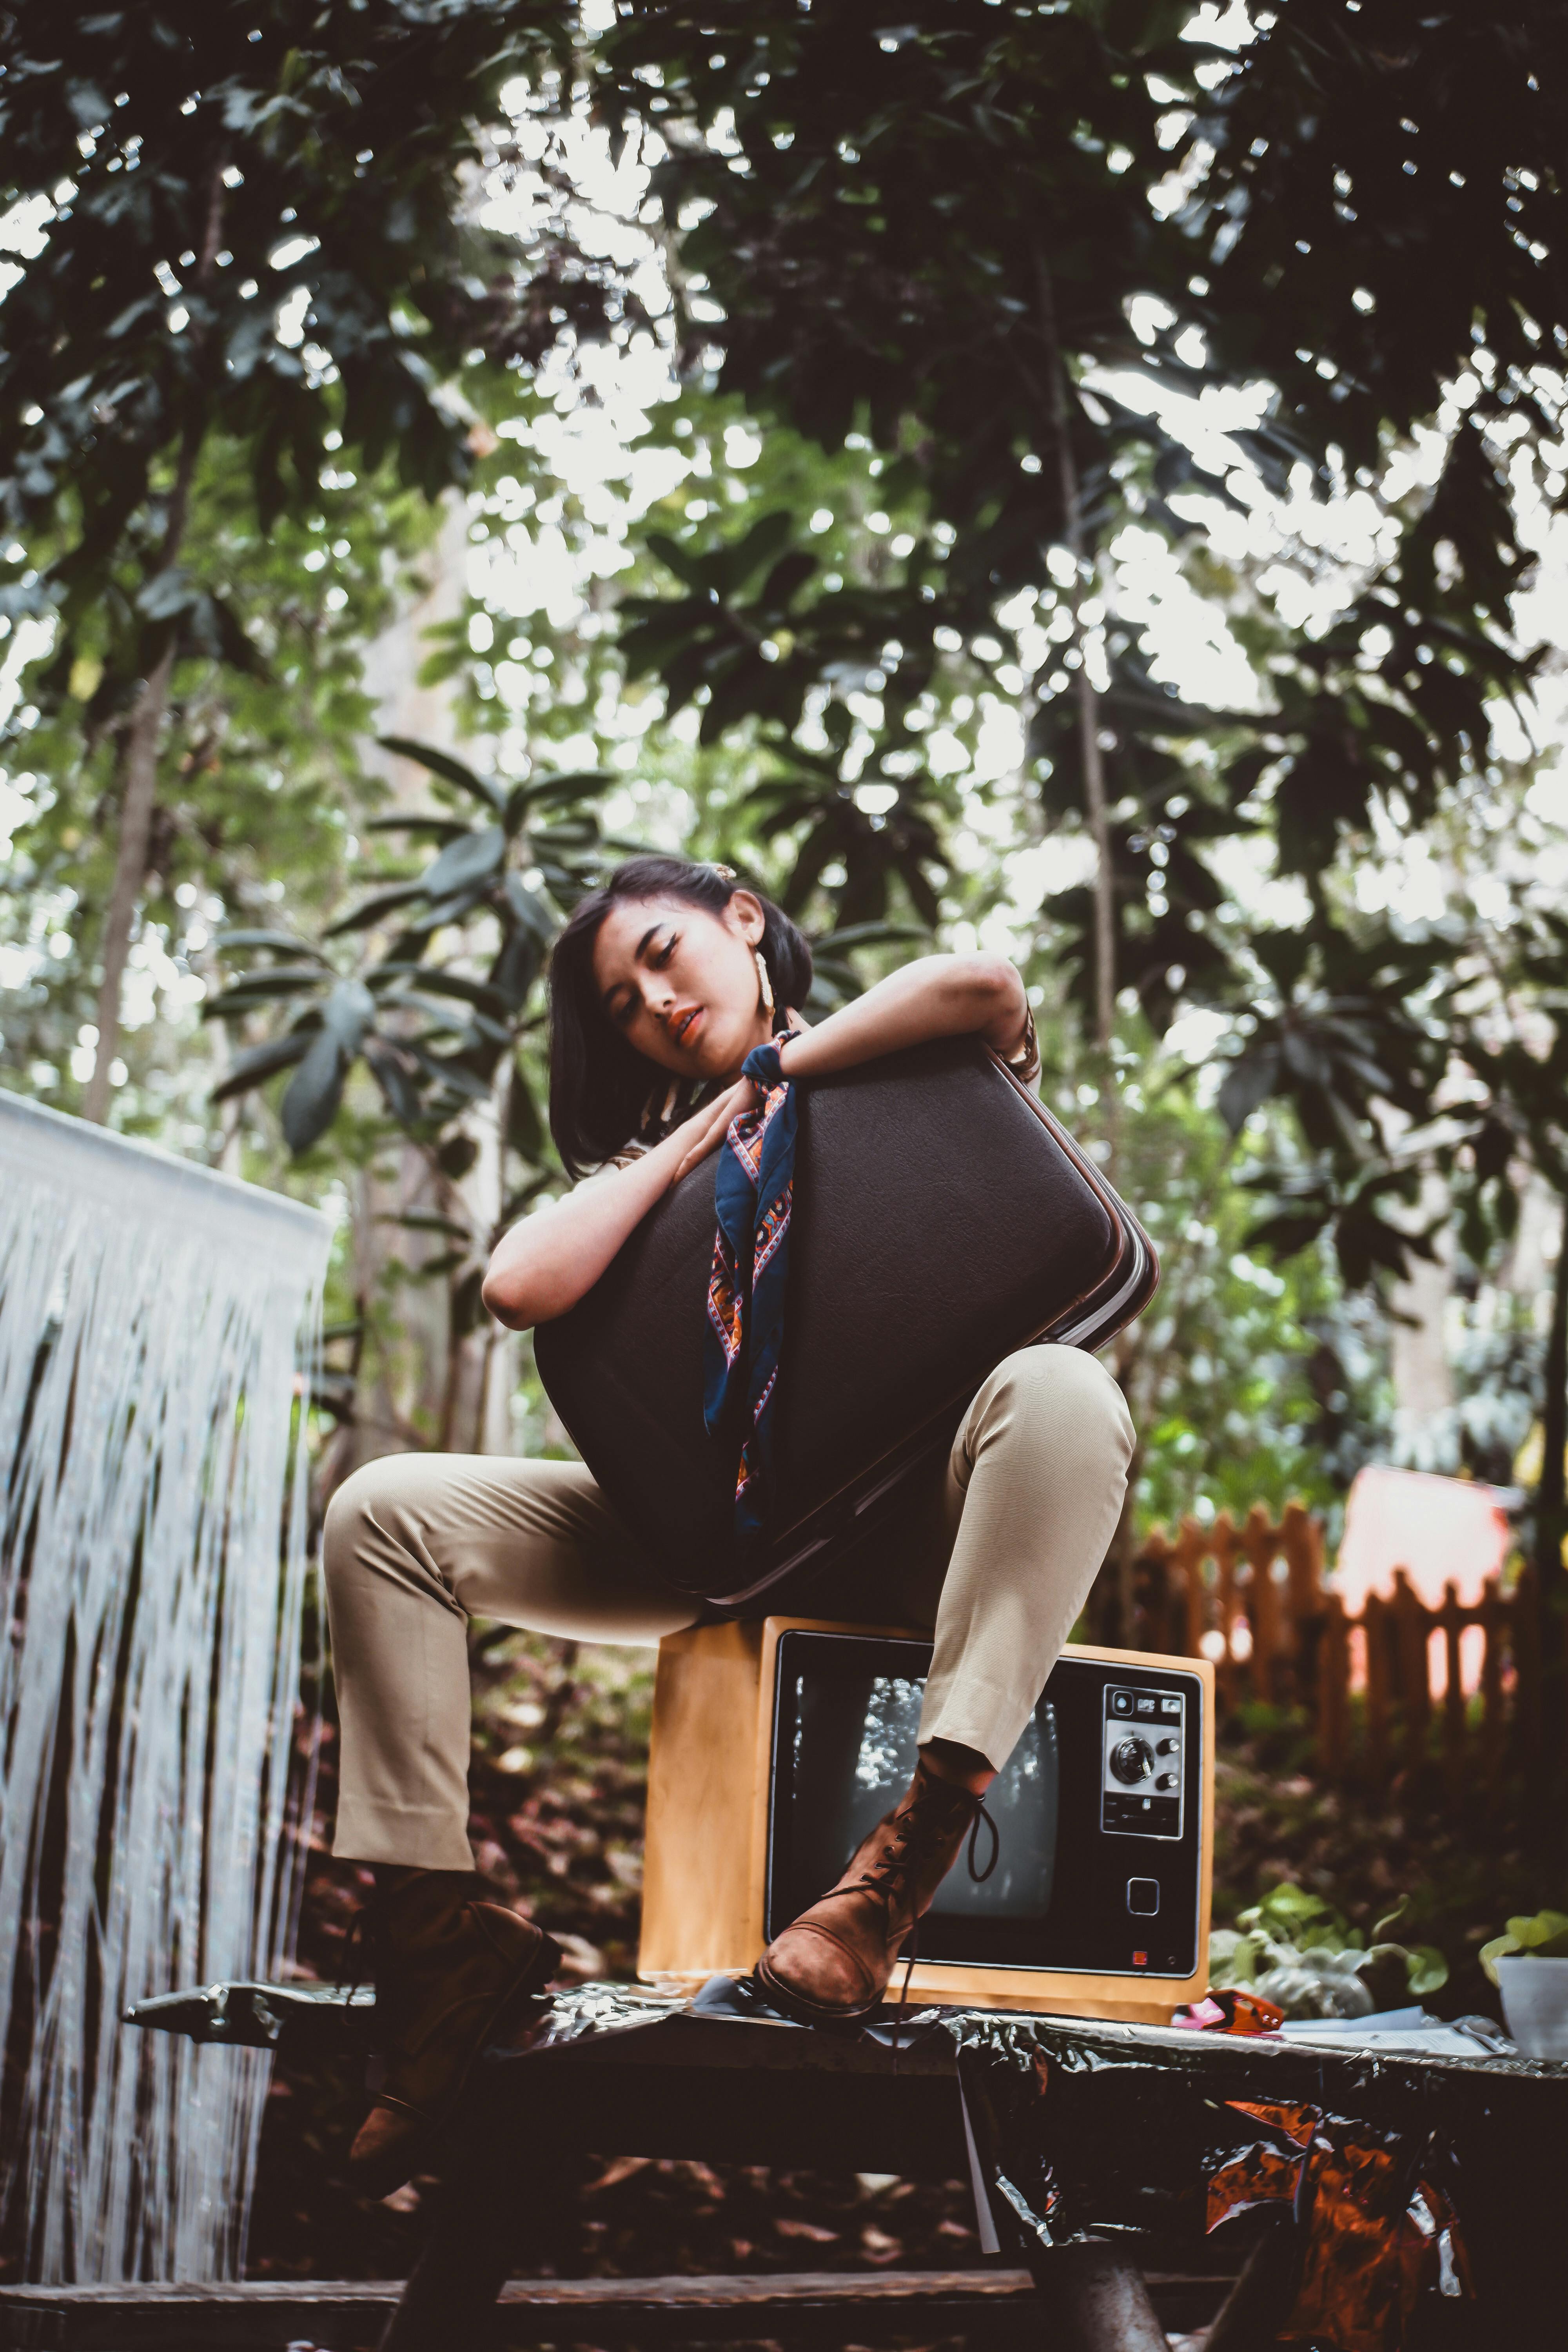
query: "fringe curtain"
156, 1320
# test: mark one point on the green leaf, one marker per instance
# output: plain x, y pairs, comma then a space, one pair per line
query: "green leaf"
1287, 1234
457, 908
760, 545
348, 1013
258, 1062
1533, 1935
286, 943
516, 1202
579, 785
390, 1070
516, 968
1248, 1082
439, 828
683, 561
870, 935
311, 1098
1501, 1948
1287, 1902
524, 1127
465, 863
256, 988
1428, 1970
1233, 1958
443, 764
435, 981
454, 1025
431, 1269
446, 1070
380, 902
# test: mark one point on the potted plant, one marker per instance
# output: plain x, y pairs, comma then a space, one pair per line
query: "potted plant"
1299, 1953
1529, 1965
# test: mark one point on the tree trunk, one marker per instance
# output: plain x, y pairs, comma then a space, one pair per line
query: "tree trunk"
143, 732
139, 765
1088, 700
1550, 1514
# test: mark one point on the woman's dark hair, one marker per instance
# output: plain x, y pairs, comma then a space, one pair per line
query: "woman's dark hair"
600, 1086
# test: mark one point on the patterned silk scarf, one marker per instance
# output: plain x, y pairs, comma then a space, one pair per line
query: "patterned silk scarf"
753, 1193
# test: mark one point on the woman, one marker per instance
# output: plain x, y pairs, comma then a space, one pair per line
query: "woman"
661, 984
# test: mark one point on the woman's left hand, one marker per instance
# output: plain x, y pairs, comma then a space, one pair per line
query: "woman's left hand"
710, 1125
938, 996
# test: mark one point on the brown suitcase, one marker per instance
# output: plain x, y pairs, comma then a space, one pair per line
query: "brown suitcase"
943, 1218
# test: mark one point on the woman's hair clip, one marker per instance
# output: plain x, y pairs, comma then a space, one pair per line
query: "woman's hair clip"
725, 873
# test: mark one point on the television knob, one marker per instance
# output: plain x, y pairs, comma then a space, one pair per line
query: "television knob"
1131, 1761
1166, 1747
1165, 1780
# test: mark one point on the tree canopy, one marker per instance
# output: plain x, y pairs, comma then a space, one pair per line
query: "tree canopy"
961, 307
971, 234
248, 220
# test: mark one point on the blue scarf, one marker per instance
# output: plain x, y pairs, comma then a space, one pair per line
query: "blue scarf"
753, 1193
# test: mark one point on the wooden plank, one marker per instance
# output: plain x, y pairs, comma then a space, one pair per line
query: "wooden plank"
1260, 1541
1526, 1646
1453, 1620
1413, 1622
268, 2312
1375, 1625
1494, 1615
1152, 1586
1333, 1688
1191, 1601
1301, 1539
1225, 1544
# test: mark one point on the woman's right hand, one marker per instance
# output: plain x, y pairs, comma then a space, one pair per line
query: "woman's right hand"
706, 1128
546, 1262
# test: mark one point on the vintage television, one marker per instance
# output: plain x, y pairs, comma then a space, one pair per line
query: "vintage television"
777, 1745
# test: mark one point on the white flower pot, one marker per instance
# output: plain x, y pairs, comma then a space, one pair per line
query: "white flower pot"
1535, 2003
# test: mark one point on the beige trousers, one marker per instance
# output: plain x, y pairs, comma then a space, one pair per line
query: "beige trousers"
998, 1555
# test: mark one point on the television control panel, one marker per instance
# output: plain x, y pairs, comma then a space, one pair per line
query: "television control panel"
1142, 1783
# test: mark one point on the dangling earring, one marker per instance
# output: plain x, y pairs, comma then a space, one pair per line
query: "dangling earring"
765, 979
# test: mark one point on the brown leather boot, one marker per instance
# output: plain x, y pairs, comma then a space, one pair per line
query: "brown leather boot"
831, 1965
452, 1974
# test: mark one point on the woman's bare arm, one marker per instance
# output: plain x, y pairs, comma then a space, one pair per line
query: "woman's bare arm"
547, 1262
940, 996
551, 1260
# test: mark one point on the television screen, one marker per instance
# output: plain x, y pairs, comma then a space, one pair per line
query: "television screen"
1097, 1809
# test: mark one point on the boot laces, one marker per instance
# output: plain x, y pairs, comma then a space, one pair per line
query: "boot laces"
915, 1835
979, 1877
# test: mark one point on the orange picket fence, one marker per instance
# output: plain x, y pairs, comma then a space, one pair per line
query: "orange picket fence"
1395, 1686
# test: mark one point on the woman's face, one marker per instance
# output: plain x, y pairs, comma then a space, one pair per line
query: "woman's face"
681, 984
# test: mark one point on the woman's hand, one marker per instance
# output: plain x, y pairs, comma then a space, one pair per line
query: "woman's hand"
940, 996
705, 1130
552, 1259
